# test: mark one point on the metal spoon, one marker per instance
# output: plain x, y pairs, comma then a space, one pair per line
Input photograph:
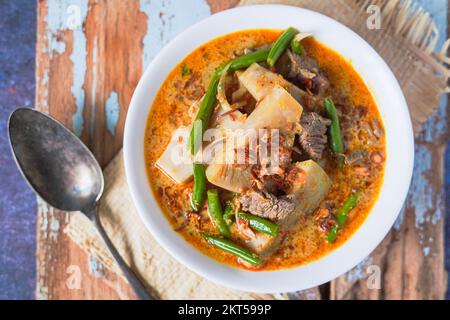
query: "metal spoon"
63, 172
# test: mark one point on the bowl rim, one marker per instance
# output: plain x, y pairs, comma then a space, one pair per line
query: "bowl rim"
385, 90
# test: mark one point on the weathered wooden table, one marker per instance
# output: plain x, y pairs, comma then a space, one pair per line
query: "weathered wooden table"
90, 55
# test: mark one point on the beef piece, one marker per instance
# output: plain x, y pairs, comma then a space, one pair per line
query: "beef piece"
313, 137
266, 205
306, 195
325, 220
302, 71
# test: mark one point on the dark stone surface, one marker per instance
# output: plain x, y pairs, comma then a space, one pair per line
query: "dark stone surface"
17, 202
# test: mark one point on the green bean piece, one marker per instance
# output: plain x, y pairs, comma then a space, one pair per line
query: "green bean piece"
349, 204
342, 216
335, 131
185, 70
336, 143
228, 214
215, 211
296, 47
280, 45
261, 224
199, 192
230, 247
244, 61
332, 234
228, 218
248, 59
228, 209
204, 113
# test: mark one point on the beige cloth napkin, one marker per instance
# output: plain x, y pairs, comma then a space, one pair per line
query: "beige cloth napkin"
406, 41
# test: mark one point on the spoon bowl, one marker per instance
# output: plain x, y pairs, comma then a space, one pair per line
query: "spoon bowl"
58, 167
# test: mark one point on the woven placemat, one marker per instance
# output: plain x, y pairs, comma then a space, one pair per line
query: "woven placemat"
407, 41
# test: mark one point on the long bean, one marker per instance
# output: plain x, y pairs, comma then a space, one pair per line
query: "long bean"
228, 214
280, 45
198, 194
204, 114
332, 234
342, 216
296, 47
231, 247
260, 224
335, 130
216, 213
349, 204
248, 59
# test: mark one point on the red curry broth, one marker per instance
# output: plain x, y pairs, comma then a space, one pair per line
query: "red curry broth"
187, 82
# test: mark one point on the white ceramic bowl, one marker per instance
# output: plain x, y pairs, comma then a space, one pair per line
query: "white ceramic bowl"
390, 101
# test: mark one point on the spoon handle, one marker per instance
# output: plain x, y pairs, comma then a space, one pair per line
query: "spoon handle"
133, 280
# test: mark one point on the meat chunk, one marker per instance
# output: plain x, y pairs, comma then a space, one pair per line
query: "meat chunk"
305, 195
313, 137
303, 71
267, 205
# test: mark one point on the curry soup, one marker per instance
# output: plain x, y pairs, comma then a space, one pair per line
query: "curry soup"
319, 73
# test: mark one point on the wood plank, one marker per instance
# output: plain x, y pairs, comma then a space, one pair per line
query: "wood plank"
90, 96
114, 32
85, 78
220, 5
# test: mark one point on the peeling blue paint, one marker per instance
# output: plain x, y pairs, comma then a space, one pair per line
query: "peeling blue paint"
43, 214
422, 197
57, 20
49, 224
112, 110
162, 25
94, 89
401, 216
96, 268
55, 24
437, 126
359, 272
46, 77
54, 228
78, 58
43, 102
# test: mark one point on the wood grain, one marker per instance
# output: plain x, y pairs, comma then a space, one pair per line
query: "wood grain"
220, 5
112, 33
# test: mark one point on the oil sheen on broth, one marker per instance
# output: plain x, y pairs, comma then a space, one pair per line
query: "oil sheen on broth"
186, 84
